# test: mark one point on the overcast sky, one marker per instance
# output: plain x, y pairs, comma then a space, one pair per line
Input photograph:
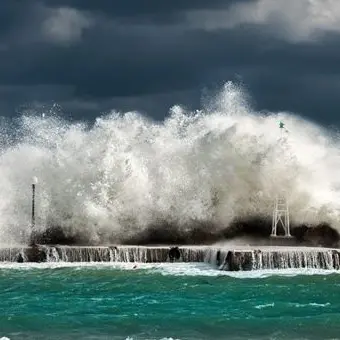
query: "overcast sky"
90, 56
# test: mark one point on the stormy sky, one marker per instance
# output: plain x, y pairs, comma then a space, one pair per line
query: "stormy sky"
92, 56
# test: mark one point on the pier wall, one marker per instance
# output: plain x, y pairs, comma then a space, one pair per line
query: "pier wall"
220, 257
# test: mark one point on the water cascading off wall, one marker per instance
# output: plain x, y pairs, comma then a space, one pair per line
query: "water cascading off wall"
125, 175
219, 258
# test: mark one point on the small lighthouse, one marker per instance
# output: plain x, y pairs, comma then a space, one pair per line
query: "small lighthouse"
281, 209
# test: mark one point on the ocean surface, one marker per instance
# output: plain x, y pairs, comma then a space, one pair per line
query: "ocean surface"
166, 301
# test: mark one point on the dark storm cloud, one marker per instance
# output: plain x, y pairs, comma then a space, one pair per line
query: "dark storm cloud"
93, 56
136, 8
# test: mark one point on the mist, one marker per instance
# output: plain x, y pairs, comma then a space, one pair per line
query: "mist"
125, 174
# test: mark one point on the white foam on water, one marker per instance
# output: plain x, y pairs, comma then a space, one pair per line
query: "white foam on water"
131, 338
206, 270
168, 269
311, 304
267, 305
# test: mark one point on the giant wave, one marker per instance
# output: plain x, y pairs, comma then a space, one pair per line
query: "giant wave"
127, 178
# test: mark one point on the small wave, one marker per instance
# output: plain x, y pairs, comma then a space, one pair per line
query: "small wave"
171, 269
130, 338
311, 304
267, 305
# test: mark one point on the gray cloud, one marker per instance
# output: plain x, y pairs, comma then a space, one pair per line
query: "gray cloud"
92, 56
65, 25
296, 21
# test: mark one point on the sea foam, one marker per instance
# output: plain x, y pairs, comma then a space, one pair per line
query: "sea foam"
116, 178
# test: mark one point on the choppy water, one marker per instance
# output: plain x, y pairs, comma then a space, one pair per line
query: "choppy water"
179, 301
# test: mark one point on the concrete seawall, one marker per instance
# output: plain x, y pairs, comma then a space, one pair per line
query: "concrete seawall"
221, 257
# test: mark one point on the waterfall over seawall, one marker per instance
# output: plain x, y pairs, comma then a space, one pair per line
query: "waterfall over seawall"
141, 254
235, 260
222, 258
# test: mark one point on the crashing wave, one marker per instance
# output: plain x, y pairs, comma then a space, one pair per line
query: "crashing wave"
126, 174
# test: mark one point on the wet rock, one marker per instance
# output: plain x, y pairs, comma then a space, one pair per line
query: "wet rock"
232, 262
174, 254
336, 259
247, 261
35, 254
19, 258
218, 258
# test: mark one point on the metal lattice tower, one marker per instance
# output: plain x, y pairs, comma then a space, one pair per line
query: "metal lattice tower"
281, 210
281, 216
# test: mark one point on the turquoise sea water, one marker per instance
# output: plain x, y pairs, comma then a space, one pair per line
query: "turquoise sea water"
178, 301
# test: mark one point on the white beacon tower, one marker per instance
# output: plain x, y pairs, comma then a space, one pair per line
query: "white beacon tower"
281, 209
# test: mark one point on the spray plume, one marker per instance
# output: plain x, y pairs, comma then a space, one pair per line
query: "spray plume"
125, 174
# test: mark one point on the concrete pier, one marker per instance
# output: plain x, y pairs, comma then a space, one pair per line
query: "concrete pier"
221, 257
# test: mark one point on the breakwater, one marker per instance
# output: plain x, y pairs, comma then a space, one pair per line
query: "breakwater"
223, 258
